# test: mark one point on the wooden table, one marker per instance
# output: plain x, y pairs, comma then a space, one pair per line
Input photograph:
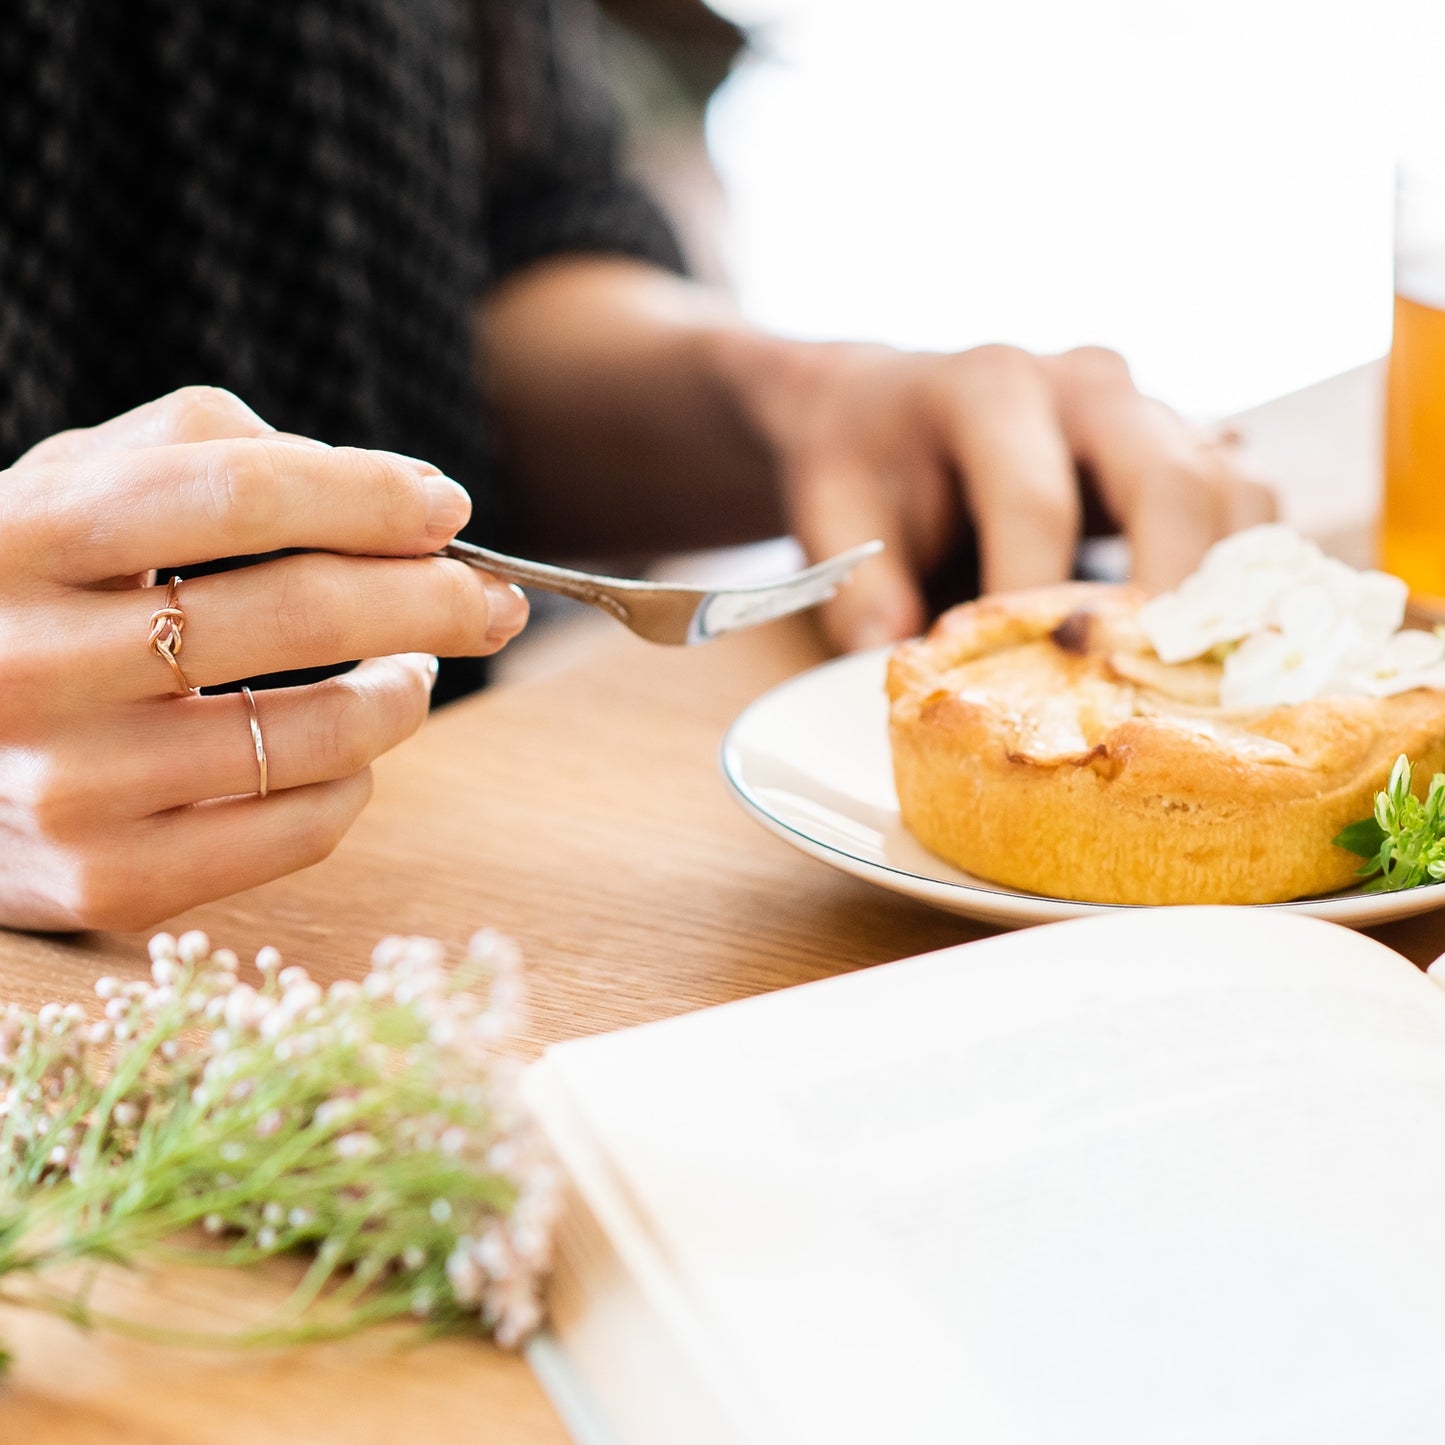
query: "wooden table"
584, 815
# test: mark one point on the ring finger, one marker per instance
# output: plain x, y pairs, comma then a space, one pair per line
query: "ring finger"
182, 751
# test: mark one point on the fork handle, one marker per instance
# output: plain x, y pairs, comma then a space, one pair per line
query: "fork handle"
550, 579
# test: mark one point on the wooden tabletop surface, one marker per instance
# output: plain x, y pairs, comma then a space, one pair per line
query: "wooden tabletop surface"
583, 814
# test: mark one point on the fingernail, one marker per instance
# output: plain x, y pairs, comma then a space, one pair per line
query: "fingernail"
448, 507
432, 668
509, 612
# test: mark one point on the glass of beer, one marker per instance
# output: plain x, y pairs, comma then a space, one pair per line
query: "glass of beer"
1412, 525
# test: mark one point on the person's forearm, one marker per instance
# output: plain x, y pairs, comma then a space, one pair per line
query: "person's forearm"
616, 391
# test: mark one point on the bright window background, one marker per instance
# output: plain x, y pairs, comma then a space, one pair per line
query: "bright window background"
1203, 184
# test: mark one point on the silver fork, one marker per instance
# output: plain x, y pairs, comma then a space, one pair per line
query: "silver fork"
665, 612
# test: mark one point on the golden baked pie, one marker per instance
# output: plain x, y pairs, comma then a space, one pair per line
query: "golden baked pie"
1039, 742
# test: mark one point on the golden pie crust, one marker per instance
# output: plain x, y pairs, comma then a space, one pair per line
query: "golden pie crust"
1038, 742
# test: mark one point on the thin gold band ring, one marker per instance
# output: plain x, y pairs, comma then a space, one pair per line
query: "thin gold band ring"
258, 741
167, 626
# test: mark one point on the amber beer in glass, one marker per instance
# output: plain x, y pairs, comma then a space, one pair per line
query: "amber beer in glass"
1412, 523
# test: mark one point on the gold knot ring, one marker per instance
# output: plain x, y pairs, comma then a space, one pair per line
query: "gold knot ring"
167, 625
258, 742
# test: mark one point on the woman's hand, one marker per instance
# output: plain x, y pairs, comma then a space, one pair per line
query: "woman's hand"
121, 802
909, 447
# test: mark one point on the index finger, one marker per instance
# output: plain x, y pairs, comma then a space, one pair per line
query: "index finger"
112, 514
835, 504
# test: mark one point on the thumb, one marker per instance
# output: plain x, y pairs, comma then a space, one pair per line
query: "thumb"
835, 508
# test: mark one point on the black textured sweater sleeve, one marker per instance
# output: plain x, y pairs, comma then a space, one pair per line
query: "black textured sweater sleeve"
554, 180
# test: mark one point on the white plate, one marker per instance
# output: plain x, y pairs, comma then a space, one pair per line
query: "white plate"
809, 760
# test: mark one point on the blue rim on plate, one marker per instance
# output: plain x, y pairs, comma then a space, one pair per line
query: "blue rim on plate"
809, 760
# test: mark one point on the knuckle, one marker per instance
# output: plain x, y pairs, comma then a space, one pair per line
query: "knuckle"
201, 412
58, 801
105, 891
30, 509
1002, 366
388, 489
244, 483
343, 733
53, 798
310, 605
1098, 365
58, 445
463, 601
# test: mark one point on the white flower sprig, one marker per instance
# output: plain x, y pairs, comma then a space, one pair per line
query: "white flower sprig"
375, 1126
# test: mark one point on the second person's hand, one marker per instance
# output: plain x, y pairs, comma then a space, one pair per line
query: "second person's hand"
912, 447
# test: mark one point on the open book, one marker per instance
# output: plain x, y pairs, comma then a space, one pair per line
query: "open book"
1172, 1176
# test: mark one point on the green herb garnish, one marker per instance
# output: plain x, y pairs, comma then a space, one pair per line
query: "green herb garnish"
1404, 842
